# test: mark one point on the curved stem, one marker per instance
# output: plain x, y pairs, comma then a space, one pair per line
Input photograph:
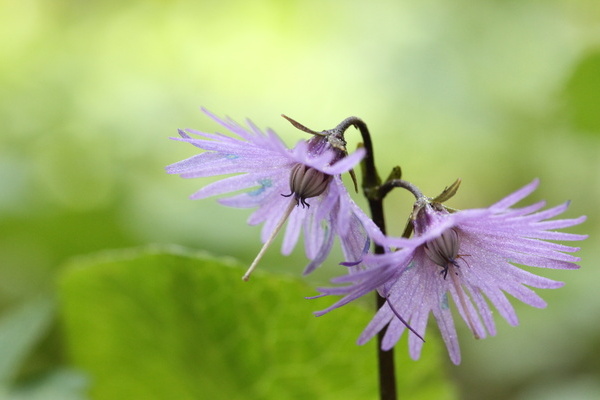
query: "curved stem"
401, 183
371, 179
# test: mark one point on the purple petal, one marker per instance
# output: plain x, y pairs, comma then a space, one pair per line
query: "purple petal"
515, 197
231, 184
292, 231
346, 163
445, 323
322, 253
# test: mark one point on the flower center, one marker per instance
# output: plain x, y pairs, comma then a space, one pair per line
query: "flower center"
307, 182
443, 250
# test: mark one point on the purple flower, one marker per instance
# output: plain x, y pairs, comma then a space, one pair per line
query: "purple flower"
301, 185
463, 256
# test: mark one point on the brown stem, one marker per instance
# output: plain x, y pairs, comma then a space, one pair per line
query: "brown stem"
370, 186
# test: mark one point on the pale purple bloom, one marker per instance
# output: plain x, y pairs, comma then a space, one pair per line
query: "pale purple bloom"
470, 256
301, 184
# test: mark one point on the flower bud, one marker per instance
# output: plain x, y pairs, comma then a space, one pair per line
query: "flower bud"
307, 182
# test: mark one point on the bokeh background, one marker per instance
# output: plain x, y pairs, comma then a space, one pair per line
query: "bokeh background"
493, 92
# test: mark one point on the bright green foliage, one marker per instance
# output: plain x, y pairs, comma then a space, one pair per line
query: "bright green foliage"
159, 324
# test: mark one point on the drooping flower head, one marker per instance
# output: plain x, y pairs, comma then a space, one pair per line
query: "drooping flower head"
301, 185
457, 260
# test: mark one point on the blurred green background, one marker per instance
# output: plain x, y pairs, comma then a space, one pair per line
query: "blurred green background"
494, 92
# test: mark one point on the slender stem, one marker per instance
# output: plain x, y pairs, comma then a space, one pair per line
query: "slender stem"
387, 368
370, 186
386, 365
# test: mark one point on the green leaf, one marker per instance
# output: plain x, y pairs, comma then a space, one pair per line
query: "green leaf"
166, 324
20, 331
58, 384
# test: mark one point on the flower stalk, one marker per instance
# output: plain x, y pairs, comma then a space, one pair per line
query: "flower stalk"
371, 186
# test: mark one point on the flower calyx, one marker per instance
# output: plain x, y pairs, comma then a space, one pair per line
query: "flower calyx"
447, 193
330, 139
